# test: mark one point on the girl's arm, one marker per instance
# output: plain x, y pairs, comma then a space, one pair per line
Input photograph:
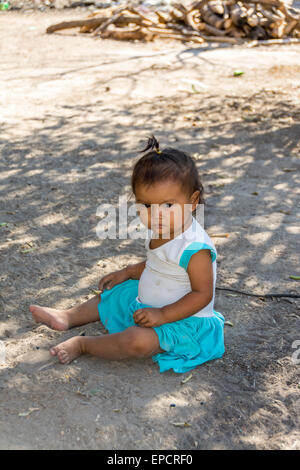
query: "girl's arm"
134, 271
201, 278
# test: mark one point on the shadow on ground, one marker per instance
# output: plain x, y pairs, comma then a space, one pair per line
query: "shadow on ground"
53, 180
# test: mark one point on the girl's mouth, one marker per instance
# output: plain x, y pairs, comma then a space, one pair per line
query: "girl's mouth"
158, 224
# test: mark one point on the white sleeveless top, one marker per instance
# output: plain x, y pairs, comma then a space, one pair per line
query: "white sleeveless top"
165, 279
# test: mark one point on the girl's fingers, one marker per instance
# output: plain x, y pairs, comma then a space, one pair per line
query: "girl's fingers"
145, 323
108, 285
104, 280
142, 320
139, 318
137, 312
101, 283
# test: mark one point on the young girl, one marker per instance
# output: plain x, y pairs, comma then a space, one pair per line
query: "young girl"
164, 306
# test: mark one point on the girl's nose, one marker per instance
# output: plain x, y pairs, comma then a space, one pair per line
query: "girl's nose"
156, 210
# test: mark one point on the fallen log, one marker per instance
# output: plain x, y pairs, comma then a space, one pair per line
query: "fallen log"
210, 20
222, 39
214, 31
289, 27
257, 33
268, 14
217, 7
162, 17
190, 19
109, 21
129, 34
270, 42
277, 30
235, 32
270, 3
92, 22
227, 23
238, 15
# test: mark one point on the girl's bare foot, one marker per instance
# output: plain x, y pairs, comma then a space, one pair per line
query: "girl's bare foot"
68, 350
55, 319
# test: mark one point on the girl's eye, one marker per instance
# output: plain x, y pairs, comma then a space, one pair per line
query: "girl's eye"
166, 204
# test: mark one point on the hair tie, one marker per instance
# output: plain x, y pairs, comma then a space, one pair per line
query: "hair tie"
152, 144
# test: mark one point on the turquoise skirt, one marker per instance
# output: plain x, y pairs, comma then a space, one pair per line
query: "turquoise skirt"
187, 343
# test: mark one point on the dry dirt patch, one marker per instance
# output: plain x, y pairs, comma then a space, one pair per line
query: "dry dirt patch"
75, 110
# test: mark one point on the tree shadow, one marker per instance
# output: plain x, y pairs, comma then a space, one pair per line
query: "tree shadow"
53, 180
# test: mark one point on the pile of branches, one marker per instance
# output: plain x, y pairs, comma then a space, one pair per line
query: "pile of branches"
207, 20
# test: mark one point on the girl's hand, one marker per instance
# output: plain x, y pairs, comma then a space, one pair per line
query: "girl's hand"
148, 317
110, 280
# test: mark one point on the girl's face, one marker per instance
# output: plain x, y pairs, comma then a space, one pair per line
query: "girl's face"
165, 208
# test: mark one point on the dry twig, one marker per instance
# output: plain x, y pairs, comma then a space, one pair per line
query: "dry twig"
208, 20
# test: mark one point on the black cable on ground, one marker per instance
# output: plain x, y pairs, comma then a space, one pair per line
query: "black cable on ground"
294, 296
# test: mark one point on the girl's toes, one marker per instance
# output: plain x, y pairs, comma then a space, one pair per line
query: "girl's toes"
63, 357
53, 351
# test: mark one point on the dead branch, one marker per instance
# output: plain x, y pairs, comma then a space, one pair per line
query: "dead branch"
207, 20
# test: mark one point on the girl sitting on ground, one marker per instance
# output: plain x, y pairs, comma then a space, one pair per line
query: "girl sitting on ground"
162, 307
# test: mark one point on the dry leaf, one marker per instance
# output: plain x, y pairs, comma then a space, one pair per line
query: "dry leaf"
186, 379
220, 235
182, 425
27, 413
27, 251
285, 212
83, 394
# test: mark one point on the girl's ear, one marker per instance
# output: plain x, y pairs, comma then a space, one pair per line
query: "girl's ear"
195, 198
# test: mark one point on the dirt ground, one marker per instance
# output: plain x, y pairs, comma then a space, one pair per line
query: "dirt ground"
74, 112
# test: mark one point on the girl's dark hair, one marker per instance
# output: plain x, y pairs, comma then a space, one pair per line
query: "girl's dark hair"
159, 165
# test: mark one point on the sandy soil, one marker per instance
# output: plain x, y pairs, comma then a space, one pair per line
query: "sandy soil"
74, 111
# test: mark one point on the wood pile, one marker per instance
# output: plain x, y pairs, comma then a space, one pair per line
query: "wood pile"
208, 20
